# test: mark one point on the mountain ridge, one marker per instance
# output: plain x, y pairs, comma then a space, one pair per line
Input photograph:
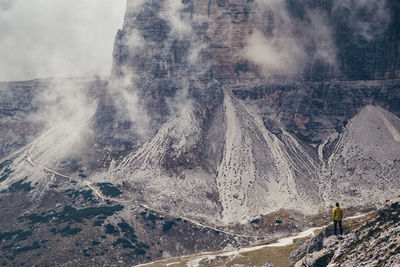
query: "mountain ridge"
194, 143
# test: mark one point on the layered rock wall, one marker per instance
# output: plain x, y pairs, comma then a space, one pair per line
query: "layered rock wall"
277, 81
362, 41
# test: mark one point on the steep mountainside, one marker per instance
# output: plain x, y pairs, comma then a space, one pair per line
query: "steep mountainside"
15, 106
159, 38
226, 133
216, 112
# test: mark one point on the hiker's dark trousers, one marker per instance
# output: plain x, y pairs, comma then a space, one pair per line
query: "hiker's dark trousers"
335, 223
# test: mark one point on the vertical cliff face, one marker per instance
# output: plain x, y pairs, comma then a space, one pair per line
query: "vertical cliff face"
170, 50
173, 37
345, 40
369, 51
216, 111
234, 115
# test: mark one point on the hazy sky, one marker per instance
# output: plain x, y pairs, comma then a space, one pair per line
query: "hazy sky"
57, 38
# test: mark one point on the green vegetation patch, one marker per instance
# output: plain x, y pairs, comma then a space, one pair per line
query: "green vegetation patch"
98, 222
5, 171
86, 253
34, 218
109, 190
20, 250
142, 245
5, 164
7, 235
68, 231
19, 235
20, 186
168, 225
128, 231
150, 216
140, 251
7, 247
129, 239
23, 235
111, 230
125, 243
86, 194
70, 214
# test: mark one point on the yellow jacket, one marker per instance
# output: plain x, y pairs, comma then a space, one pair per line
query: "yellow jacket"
337, 214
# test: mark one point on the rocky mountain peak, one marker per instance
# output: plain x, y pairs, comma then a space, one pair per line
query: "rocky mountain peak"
216, 112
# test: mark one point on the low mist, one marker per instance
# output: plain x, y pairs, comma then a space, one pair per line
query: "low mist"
285, 42
57, 38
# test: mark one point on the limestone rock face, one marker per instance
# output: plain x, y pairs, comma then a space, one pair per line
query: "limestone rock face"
248, 103
216, 111
169, 50
347, 41
225, 110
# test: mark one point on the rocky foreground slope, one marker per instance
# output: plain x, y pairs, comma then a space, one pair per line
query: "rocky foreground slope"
375, 243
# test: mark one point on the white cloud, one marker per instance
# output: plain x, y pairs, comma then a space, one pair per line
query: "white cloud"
368, 17
322, 34
282, 44
274, 55
277, 51
57, 38
180, 25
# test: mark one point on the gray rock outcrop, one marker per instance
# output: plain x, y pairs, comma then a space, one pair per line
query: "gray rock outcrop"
375, 243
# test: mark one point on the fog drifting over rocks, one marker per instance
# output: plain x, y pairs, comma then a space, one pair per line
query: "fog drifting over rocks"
57, 38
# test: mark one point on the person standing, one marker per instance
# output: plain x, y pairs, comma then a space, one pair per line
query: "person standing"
337, 218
